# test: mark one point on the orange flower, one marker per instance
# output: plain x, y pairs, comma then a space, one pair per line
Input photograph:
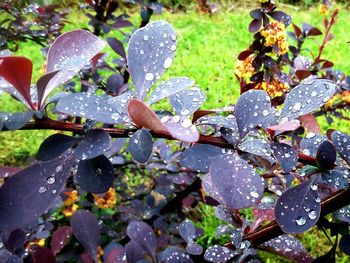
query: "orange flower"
39, 242
70, 210
99, 254
340, 98
324, 10
108, 200
244, 68
275, 88
275, 34
72, 197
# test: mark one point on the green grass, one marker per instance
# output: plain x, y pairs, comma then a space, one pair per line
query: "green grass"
206, 52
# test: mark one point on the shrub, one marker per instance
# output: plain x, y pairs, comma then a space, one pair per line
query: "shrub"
121, 188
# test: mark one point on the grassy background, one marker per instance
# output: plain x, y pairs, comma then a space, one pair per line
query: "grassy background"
206, 52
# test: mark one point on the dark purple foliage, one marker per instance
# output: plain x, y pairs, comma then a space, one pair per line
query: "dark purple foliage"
341, 143
326, 155
286, 155
233, 182
218, 254
95, 175
251, 109
141, 145
60, 238
344, 244
46, 180
86, 230
54, 145
151, 51
93, 144
298, 209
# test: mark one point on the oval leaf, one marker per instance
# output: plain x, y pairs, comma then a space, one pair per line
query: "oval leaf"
95, 175
21, 204
60, 238
54, 146
342, 145
233, 183
298, 209
87, 231
150, 52
141, 145
286, 155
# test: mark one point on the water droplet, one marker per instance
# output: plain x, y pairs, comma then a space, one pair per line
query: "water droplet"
98, 171
149, 76
51, 180
254, 194
167, 62
42, 189
186, 123
145, 37
300, 221
314, 187
59, 168
312, 214
297, 106
176, 118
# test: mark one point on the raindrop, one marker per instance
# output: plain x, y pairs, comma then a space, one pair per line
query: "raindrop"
50, 180
301, 221
42, 189
167, 62
312, 214
59, 168
149, 76
254, 194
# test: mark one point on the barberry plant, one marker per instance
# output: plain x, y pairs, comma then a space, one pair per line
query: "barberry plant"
120, 188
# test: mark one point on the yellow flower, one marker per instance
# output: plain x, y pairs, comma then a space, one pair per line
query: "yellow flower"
244, 68
71, 197
99, 254
263, 1
324, 10
275, 88
39, 242
70, 210
339, 99
108, 200
275, 34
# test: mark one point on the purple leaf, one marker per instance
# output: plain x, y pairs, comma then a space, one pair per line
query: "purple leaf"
95, 175
117, 46
109, 110
344, 244
150, 52
86, 230
307, 97
194, 249
69, 53
187, 231
134, 253
298, 209
141, 145
234, 183
310, 143
181, 129
175, 255
200, 156
341, 143
336, 178
187, 101
251, 109
18, 72
219, 121
169, 87
42, 254
142, 234
60, 238
15, 240
114, 84
219, 254
256, 146
286, 155
326, 155
94, 143
54, 146
288, 247
21, 204
16, 120
41, 85
343, 214
255, 25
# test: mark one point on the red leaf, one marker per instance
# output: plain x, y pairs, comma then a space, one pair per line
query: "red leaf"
143, 116
60, 238
310, 123
18, 72
42, 255
297, 30
286, 126
302, 74
244, 54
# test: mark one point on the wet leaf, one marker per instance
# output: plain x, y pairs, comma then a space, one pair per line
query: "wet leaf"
289, 247
21, 204
141, 145
233, 182
200, 156
187, 101
169, 87
307, 97
142, 234
344, 244
326, 155
60, 239
310, 143
175, 254
286, 155
251, 109
94, 143
16, 120
150, 52
219, 254
86, 230
187, 231
298, 209
341, 143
